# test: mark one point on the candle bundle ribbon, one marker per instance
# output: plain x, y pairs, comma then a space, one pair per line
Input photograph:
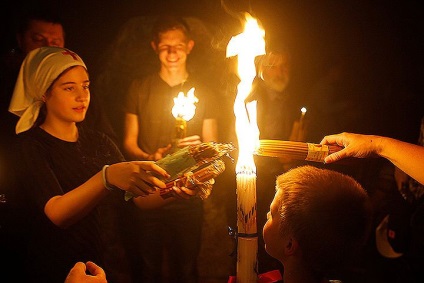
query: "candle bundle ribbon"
193, 166
295, 150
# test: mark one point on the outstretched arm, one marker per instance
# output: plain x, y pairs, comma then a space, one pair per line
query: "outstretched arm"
406, 156
134, 177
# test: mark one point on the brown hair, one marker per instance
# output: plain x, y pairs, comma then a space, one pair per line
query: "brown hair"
329, 214
166, 23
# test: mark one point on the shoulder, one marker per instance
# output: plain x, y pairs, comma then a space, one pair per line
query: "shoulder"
32, 135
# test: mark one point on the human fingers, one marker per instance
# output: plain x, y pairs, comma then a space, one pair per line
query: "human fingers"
160, 152
338, 139
76, 272
135, 177
150, 166
336, 156
95, 270
190, 140
184, 192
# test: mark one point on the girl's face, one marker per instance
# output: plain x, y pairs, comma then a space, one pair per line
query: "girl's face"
69, 97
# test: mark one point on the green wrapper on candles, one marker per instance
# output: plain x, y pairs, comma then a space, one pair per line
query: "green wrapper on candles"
190, 159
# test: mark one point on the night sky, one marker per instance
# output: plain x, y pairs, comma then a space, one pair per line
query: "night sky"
381, 43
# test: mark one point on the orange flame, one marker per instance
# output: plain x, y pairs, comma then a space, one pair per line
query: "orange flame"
184, 105
246, 46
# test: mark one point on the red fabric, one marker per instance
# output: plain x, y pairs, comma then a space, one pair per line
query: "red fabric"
268, 277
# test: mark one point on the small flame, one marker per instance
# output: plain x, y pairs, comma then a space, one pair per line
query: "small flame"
303, 110
184, 105
246, 46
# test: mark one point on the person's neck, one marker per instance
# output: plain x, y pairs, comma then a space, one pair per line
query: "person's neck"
173, 77
65, 131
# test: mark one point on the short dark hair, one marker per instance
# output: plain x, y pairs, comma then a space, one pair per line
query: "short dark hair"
40, 14
167, 23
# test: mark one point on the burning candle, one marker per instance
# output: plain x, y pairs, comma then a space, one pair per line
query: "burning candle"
246, 46
302, 118
183, 111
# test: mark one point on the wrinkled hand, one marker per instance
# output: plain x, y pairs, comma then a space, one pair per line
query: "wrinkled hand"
191, 140
78, 273
355, 145
136, 177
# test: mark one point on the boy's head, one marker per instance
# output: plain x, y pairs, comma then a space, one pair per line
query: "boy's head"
172, 43
168, 23
320, 214
39, 28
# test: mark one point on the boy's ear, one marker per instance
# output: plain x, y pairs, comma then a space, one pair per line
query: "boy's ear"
292, 245
190, 46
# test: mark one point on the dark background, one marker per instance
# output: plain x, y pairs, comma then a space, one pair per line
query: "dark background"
381, 43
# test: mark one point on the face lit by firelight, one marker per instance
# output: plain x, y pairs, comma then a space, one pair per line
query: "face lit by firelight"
173, 49
67, 100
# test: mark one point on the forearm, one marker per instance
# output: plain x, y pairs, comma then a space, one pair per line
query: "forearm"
136, 153
406, 156
67, 209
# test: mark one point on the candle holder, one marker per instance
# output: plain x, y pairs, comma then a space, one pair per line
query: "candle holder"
180, 132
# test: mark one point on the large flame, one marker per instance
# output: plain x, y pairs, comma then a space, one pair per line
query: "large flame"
184, 105
246, 46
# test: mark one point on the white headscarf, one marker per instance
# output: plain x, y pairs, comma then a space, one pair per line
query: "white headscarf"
38, 71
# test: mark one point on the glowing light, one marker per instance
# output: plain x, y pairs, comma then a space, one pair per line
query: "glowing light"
184, 105
246, 46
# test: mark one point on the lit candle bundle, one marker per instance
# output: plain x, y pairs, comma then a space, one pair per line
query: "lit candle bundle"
183, 111
295, 150
193, 165
246, 46
202, 179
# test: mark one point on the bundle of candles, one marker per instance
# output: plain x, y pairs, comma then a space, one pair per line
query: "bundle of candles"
295, 150
193, 165
203, 179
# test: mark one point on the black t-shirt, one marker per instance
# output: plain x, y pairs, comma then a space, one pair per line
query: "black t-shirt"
50, 167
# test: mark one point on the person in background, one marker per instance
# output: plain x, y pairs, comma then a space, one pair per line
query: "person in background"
78, 273
278, 108
148, 133
318, 223
36, 28
72, 177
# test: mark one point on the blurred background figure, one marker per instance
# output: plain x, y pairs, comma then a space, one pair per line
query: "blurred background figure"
278, 110
37, 28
